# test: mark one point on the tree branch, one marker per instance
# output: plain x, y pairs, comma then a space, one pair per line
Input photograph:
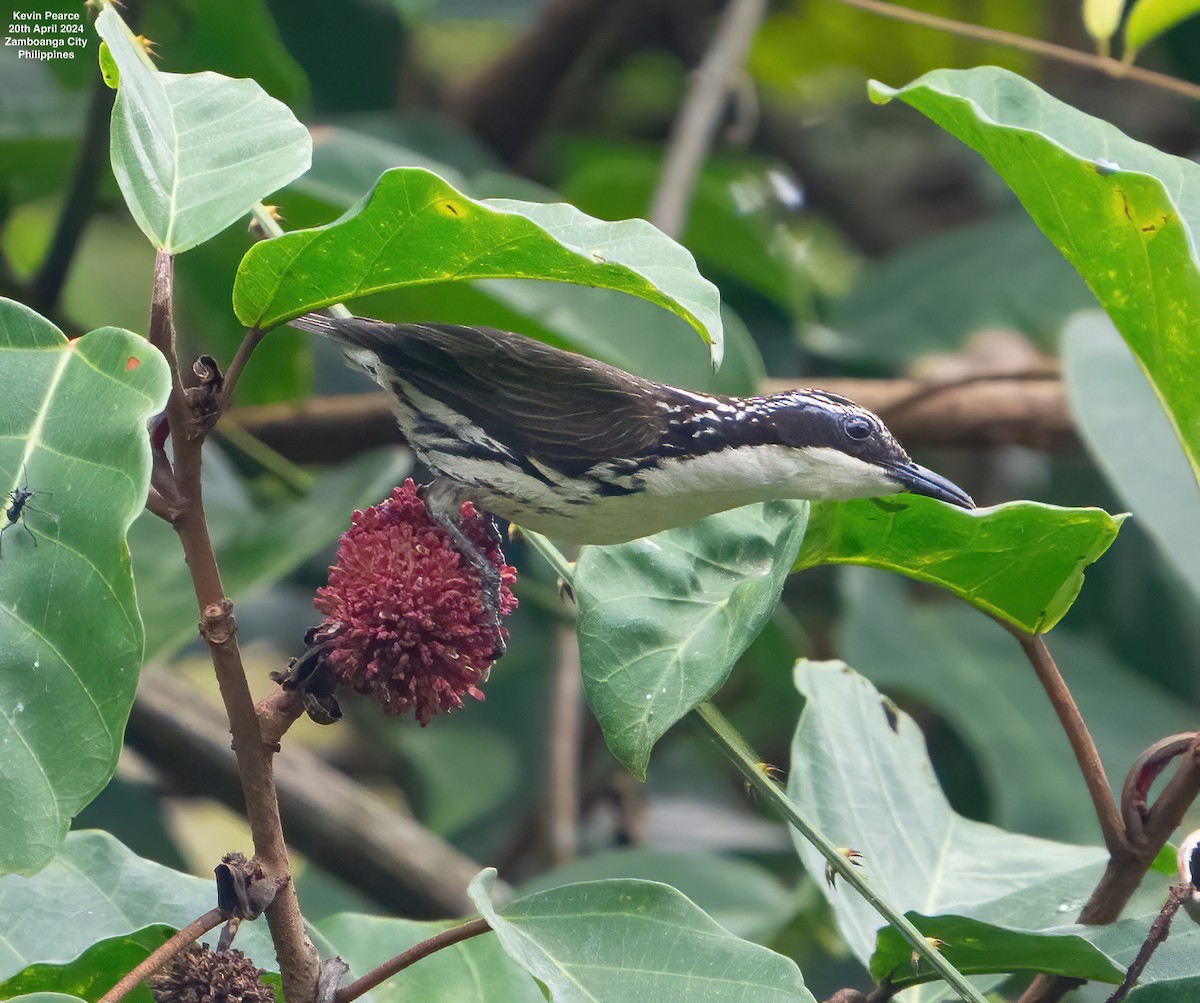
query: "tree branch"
1005, 411
1111, 826
1050, 50
296, 954
196, 929
447, 938
343, 827
693, 132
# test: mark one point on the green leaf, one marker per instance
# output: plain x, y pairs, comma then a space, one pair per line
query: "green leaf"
1102, 18
95, 971
96, 890
1123, 213
859, 770
957, 662
744, 898
474, 971
663, 619
414, 228
1131, 439
1021, 562
977, 948
628, 940
255, 548
46, 998
1150, 18
74, 431
194, 152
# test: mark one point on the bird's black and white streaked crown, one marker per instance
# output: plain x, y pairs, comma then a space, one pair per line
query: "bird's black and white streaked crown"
588, 453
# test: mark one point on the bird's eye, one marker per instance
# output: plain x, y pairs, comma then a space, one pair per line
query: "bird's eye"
858, 429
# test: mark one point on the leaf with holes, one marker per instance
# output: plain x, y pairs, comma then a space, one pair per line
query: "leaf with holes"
73, 429
414, 228
193, 152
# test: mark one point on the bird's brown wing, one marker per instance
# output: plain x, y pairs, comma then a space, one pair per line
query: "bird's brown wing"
564, 410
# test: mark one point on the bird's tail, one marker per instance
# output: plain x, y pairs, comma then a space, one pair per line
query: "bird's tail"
314, 323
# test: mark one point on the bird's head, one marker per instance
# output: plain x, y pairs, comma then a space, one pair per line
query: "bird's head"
859, 455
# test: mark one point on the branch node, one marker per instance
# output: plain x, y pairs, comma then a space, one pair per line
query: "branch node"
217, 625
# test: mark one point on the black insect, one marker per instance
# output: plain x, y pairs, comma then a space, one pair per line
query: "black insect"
18, 502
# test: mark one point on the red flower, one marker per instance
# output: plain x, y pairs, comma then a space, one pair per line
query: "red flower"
405, 621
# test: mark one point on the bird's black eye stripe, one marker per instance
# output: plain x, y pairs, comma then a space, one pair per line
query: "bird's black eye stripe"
858, 428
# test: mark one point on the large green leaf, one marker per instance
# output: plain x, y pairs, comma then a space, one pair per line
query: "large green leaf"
663, 619
72, 427
97, 890
977, 948
95, 971
743, 897
628, 940
860, 771
255, 547
1132, 440
1123, 213
957, 662
415, 228
193, 152
1150, 18
1021, 562
475, 971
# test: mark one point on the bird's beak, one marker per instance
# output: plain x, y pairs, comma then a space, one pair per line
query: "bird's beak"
923, 481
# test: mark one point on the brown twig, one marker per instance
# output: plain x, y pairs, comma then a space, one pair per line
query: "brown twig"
560, 810
1160, 929
295, 952
338, 823
1050, 50
238, 363
693, 131
447, 938
1031, 413
184, 938
1111, 827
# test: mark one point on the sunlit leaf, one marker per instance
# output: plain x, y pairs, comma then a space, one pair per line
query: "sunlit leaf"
415, 228
193, 152
1150, 18
1021, 562
1123, 213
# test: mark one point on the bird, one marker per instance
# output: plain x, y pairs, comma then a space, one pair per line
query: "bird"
586, 453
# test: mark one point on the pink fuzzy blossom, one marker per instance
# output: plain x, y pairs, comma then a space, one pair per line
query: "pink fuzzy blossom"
405, 620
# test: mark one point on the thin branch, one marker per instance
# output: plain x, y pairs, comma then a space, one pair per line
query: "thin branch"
248, 344
295, 952
79, 203
1023, 412
693, 132
1050, 50
1160, 929
196, 929
1111, 826
560, 810
749, 766
328, 816
447, 938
